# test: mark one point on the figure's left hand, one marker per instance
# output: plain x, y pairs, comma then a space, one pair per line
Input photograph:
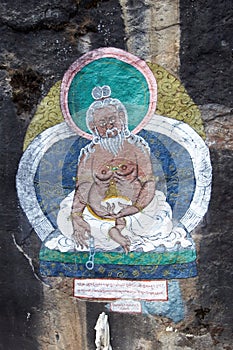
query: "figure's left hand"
127, 209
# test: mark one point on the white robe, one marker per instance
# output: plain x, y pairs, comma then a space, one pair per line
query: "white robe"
148, 229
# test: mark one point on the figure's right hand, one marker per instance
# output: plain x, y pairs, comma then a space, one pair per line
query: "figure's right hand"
82, 232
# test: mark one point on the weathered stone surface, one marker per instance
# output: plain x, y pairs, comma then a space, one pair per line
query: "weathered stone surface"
218, 125
21, 292
46, 14
215, 259
21, 295
206, 50
176, 341
215, 234
152, 31
62, 323
81, 27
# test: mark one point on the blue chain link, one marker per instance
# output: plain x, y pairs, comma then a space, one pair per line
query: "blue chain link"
90, 263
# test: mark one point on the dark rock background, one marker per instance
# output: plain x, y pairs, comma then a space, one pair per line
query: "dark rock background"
206, 55
206, 50
39, 40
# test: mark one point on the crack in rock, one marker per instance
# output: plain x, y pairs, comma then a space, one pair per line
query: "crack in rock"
29, 260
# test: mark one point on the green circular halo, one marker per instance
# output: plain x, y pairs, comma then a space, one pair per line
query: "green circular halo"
129, 78
127, 85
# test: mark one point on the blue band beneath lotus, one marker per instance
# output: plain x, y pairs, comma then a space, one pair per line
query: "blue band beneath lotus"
186, 270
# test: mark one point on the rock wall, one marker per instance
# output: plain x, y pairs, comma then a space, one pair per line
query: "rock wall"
152, 31
38, 43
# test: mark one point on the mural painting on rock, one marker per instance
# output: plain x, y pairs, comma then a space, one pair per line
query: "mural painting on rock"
115, 190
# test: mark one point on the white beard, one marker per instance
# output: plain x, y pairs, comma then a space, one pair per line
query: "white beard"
112, 144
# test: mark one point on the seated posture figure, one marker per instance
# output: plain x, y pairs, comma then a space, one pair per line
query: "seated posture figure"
115, 199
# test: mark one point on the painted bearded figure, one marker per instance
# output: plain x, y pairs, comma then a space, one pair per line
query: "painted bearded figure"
115, 201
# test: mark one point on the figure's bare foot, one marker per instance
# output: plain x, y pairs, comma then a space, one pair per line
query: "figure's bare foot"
124, 241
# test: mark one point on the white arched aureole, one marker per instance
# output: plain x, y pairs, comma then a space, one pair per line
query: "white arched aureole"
26, 173
199, 153
176, 130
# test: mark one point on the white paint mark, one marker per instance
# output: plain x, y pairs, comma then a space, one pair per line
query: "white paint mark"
29, 260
